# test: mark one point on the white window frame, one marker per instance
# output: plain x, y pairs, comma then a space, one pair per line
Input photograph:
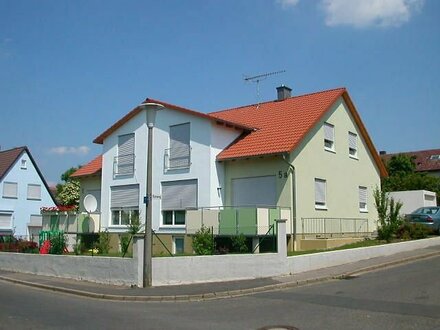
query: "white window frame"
320, 194
173, 218
329, 137
131, 212
29, 189
363, 199
23, 165
352, 145
10, 185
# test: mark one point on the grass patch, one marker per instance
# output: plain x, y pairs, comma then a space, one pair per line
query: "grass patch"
365, 243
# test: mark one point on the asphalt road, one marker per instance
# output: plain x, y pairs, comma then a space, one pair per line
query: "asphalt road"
404, 297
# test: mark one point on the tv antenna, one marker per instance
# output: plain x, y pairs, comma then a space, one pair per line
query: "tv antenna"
256, 79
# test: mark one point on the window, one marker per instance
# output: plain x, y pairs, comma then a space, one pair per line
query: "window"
177, 196
178, 245
363, 199
124, 204
329, 137
179, 153
352, 144
10, 190
34, 191
5, 220
320, 194
23, 164
124, 162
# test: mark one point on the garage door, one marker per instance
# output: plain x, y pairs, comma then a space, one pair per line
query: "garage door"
254, 191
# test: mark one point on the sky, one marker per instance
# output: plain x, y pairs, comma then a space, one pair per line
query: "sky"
70, 69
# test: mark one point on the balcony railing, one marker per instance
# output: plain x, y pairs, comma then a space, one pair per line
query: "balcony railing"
334, 227
177, 158
123, 165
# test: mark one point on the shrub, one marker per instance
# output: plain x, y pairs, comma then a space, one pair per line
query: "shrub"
103, 243
412, 231
239, 244
124, 241
388, 212
203, 241
27, 247
57, 244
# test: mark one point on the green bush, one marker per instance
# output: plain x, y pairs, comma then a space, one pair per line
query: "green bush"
124, 241
412, 231
388, 212
239, 244
57, 244
103, 243
203, 241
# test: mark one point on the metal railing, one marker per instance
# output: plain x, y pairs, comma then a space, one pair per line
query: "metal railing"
123, 165
177, 158
334, 227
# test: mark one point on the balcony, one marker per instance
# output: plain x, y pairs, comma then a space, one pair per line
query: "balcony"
123, 165
177, 158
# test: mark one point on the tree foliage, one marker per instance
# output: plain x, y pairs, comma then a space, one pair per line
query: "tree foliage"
69, 191
203, 241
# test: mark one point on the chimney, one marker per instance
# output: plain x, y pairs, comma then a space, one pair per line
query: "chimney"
382, 152
284, 92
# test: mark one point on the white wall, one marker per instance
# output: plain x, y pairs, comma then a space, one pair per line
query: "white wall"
206, 140
413, 199
21, 207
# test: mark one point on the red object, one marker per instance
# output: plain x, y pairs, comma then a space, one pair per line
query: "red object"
45, 247
92, 168
429, 219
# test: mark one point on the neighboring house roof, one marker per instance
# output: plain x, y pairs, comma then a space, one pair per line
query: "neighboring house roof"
135, 111
92, 168
8, 158
282, 125
425, 160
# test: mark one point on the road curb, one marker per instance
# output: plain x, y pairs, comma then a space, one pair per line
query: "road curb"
217, 295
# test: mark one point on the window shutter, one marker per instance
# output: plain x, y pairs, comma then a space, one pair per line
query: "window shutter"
179, 145
126, 144
329, 132
362, 197
36, 221
33, 191
5, 221
320, 191
125, 196
10, 189
179, 195
352, 140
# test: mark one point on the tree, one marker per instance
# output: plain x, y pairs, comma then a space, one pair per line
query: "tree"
69, 191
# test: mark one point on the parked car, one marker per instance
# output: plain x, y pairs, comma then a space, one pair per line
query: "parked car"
428, 216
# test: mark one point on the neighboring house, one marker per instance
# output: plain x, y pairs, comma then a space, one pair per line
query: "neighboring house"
426, 161
23, 192
306, 158
413, 199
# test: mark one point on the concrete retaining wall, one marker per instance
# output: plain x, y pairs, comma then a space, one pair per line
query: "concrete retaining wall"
308, 262
117, 271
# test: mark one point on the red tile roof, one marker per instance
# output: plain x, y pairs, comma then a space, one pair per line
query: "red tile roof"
422, 159
8, 159
281, 125
92, 168
135, 111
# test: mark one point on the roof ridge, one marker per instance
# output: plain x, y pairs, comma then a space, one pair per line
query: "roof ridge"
15, 148
265, 102
411, 152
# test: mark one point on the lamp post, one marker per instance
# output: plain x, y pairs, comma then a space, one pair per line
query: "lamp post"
151, 109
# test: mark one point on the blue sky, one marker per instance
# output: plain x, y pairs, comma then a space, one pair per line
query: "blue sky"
70, 69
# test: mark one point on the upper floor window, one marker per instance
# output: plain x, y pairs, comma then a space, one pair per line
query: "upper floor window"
179, 153
363, 199
329, 137
352, 144
320, 194
23, 164
124, 162
34, 191
10, 189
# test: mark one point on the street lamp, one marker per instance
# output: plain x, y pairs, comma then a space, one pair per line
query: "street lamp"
151, 109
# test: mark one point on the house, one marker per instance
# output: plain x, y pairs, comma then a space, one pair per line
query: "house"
308, 159
23, 192
426, 161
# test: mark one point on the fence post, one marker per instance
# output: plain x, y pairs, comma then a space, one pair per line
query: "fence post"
281, 237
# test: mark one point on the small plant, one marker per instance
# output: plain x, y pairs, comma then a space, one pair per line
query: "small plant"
124, 241
103, 243
57, 244
388, 213
412, 231
239, 244
203, 241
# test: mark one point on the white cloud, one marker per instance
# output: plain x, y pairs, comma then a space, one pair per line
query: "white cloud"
367, 13
81, 150
287, 3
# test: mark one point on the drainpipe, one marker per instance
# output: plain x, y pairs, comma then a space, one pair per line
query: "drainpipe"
293, 216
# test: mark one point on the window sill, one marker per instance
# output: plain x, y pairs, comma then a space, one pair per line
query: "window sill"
353, 157
33, 199
321, 207
363, 211
10, 197
333, 151
172, 226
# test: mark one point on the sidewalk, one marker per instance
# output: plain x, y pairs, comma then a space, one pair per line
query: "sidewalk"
207, 291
